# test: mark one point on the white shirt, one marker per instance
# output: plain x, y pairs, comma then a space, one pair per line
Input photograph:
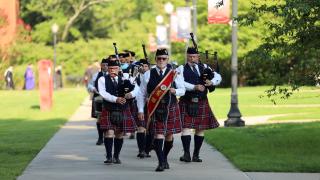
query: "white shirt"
90, 85
141, 98
190, 87
107, 96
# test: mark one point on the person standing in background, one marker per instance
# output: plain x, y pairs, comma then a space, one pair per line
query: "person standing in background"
29, 78
58, 77
8, 74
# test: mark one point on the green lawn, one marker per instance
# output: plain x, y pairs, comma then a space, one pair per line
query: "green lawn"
304, 104
276, 147
24, 129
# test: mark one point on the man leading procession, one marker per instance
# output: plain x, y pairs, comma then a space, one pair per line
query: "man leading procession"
159, 87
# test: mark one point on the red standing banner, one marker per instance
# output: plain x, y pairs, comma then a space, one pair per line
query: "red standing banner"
218, 11
45, 84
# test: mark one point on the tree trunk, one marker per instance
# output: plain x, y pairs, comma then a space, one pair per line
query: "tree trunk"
77, 11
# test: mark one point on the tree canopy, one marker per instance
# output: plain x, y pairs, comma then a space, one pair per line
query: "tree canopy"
290, 51
277, 39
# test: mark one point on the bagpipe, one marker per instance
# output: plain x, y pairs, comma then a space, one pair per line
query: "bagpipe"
125, 86
207, 72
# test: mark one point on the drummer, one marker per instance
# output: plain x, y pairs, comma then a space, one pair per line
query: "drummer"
97, 99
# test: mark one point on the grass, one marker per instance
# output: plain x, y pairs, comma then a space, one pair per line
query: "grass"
276, 147
304, 104
24, 129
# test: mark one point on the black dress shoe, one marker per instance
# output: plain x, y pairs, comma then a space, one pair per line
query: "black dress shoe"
147, 155
160, 168
108, 161
196, 159
116, 161
186, 157
99, 142
166, 165
141, 155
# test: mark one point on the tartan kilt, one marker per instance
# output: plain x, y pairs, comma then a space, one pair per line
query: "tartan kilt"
204, 120
93, 113
142, 123
134, 110
128, 124
172, 126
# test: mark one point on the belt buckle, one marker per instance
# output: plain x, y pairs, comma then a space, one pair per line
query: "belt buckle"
195, 100
163, 101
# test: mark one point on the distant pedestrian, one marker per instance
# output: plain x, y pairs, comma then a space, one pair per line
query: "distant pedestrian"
58, 78
29, 81
8, 74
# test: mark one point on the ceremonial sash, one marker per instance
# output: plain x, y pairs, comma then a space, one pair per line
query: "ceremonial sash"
158, 93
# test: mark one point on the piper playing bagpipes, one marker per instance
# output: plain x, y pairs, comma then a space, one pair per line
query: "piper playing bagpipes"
161, 86
195, 109
116, 117
97, 99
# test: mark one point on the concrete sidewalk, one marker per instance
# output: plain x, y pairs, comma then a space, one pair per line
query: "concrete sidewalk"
72, 154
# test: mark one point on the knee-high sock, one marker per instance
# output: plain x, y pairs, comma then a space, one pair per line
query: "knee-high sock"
186, 143
158, 148
198, 140
149, 139
100, 132
117, 147
108, 143
141, 141
166, 149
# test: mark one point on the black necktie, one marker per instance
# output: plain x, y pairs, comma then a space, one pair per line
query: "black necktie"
195, 71
161, 73
115, 83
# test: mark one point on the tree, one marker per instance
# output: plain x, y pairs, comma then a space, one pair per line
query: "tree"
291, 48
78, 8
42, 14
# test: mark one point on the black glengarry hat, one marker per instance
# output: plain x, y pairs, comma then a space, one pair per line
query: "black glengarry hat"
192, 50
113, 63
143, 61
161, 52
105, 60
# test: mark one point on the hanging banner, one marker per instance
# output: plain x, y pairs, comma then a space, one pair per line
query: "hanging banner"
162, 36
174, 28
152, 43
184, 22
218, 11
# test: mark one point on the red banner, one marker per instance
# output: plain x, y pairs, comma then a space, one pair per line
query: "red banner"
218, 11
152, 43
158, 93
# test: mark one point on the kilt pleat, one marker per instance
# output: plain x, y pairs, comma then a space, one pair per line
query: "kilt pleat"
172, 125
204, 120
128, 124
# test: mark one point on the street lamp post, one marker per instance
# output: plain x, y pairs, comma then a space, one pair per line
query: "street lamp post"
54, 29
234, 115
168, 7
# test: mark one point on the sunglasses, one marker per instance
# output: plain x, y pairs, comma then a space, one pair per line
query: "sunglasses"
161, 58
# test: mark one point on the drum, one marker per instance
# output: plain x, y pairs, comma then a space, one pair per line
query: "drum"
98, 101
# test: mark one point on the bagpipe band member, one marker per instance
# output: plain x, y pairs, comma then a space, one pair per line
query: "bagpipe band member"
161, 85
144, 139
195, 109
116, 118
96, 107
